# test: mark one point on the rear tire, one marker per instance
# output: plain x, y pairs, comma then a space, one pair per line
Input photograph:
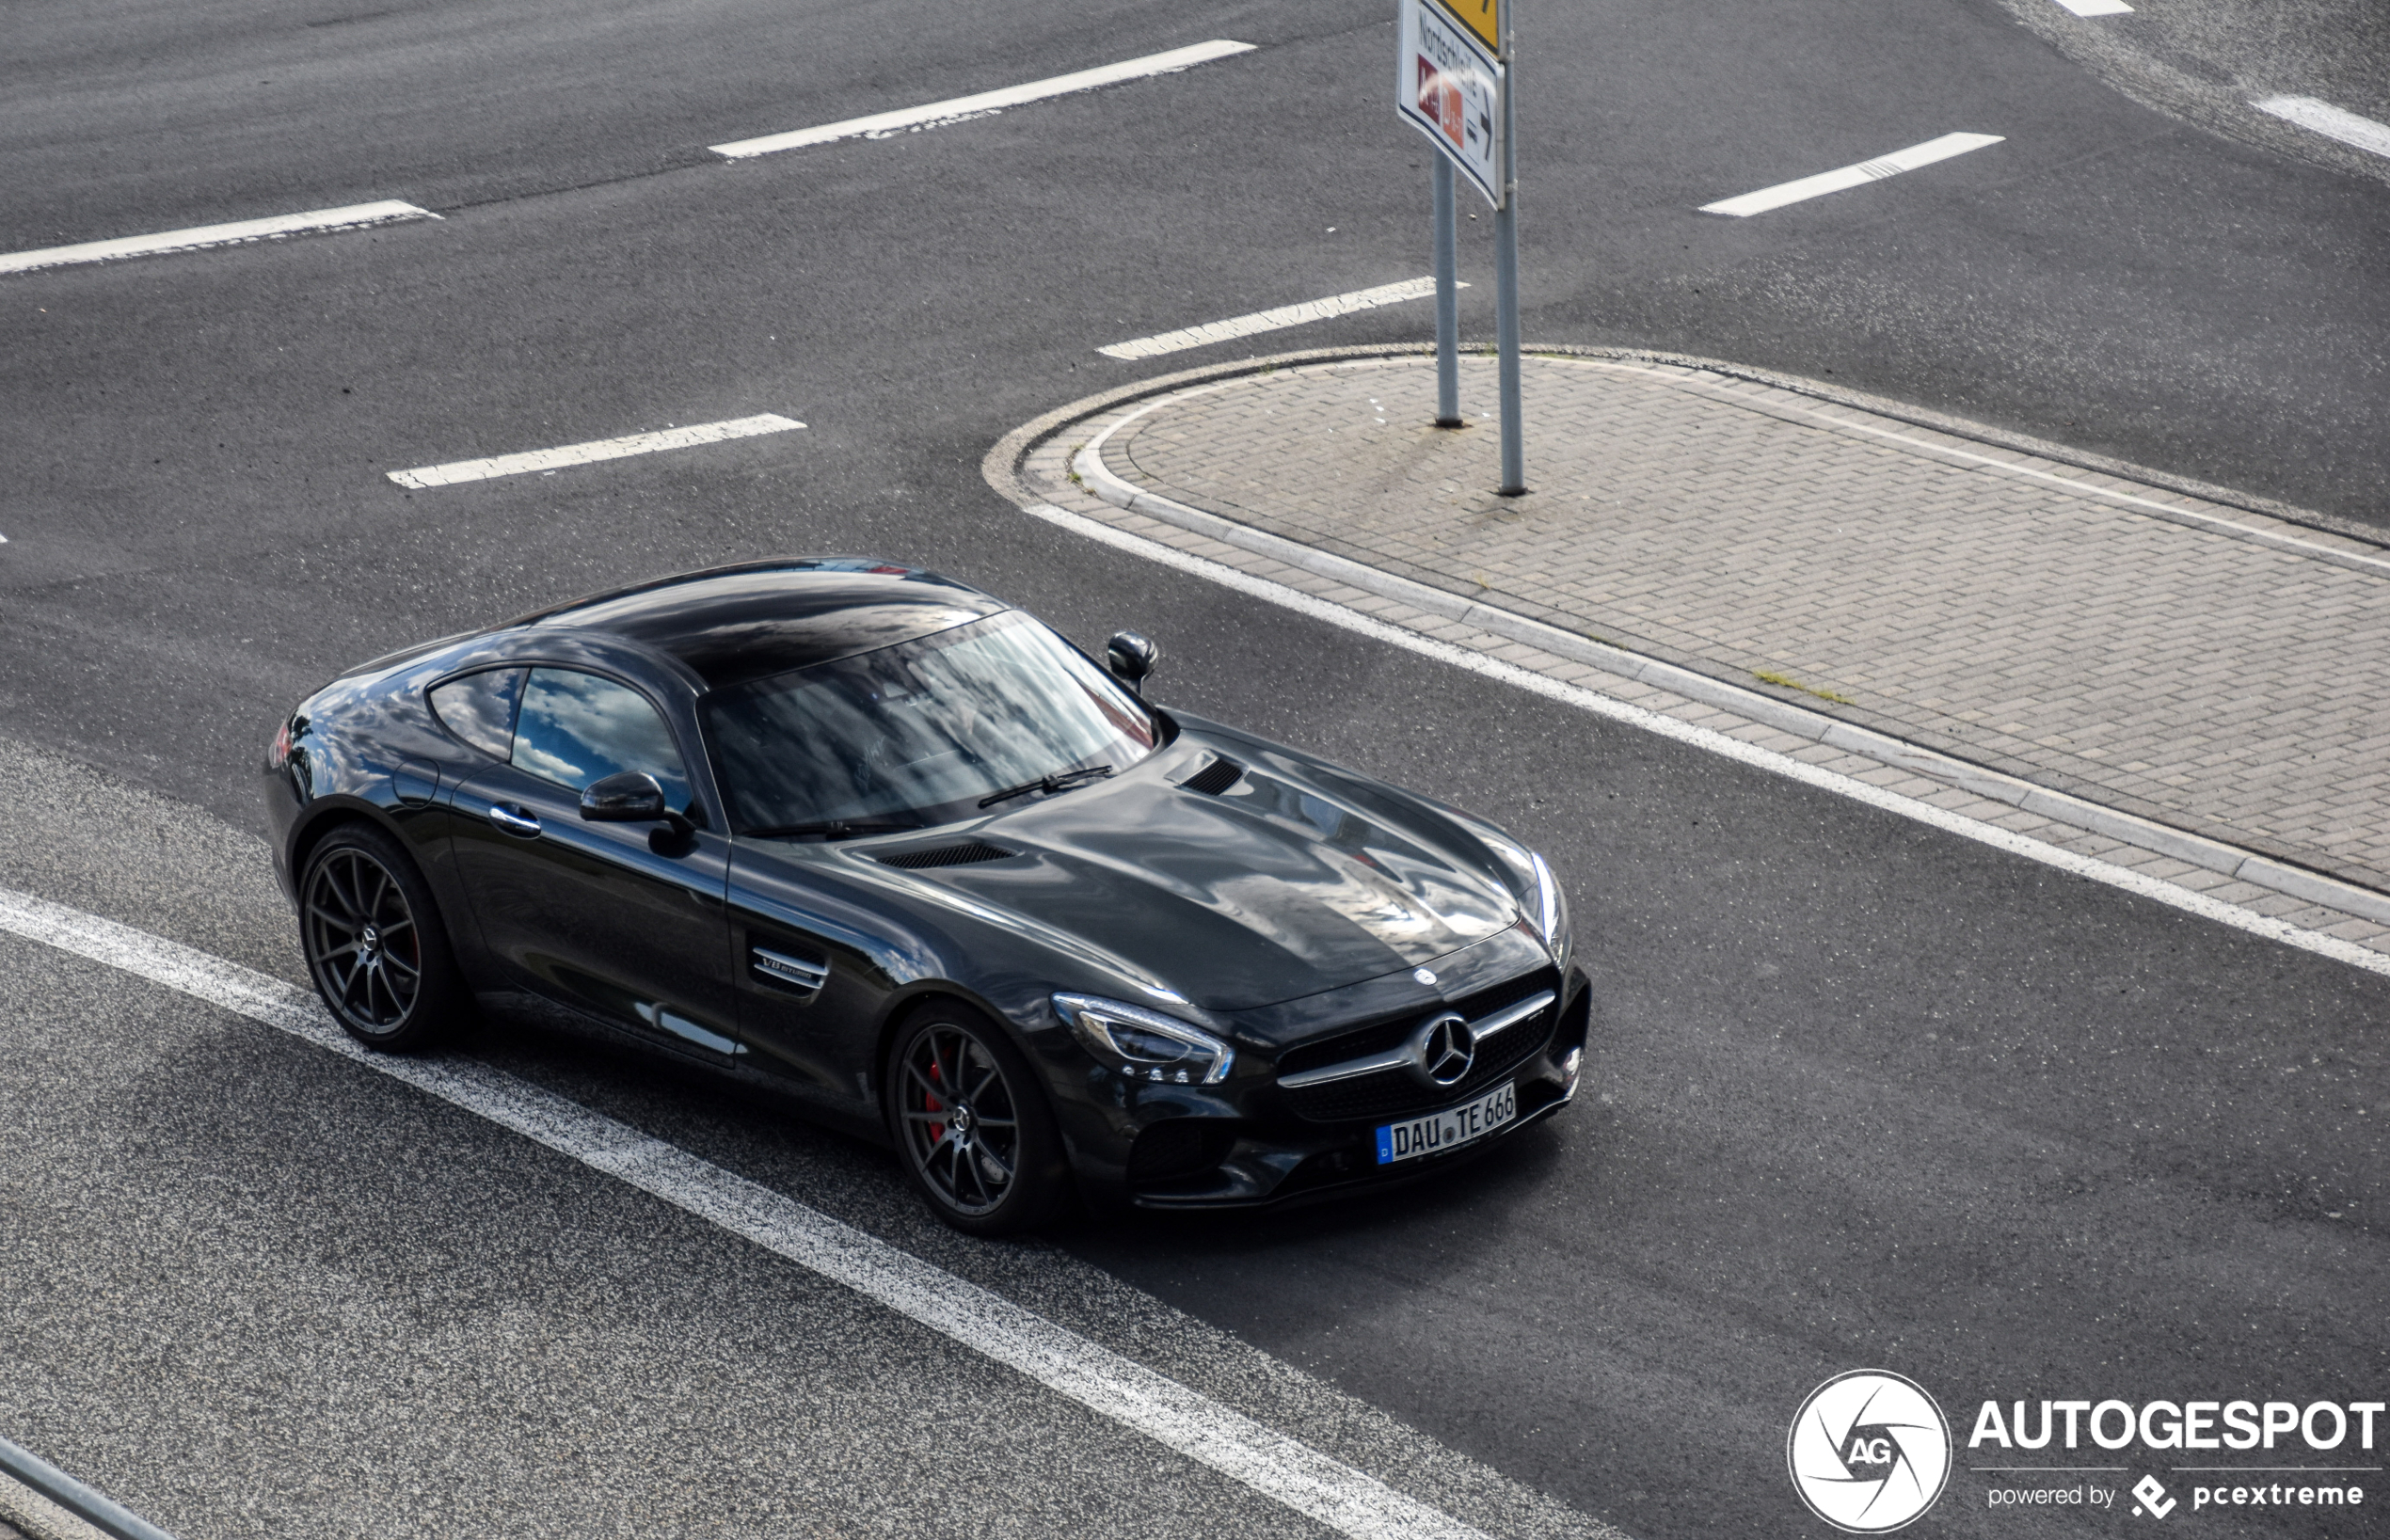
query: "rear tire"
971, 1123
375, 943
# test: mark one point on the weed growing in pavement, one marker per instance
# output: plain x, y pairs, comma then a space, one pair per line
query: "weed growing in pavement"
1787, 682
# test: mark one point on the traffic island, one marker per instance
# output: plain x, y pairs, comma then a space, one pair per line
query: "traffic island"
2192, 688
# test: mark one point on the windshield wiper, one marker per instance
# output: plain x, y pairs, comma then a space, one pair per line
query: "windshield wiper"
1049, 783
834, 828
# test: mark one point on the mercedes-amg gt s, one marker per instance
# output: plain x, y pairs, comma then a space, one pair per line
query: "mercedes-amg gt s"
869, 836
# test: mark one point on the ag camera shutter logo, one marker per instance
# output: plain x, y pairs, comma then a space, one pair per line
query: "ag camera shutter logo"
1869, 1452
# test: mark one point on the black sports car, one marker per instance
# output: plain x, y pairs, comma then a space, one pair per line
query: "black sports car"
865, 834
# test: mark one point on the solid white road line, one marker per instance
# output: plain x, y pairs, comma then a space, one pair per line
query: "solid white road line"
1285, 315
1851, 176
602, 448
354, 217
2097, 7
2323, 118
1713, 741
938, 114
1327, 1490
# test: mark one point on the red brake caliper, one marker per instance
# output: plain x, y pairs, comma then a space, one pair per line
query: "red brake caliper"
937, 1131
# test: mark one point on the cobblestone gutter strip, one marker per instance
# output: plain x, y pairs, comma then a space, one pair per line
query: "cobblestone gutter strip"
1058, 460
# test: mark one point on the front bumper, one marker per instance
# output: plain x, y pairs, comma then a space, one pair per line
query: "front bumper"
1245, 1148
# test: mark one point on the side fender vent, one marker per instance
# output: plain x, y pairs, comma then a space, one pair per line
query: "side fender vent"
943, 855
1215, 778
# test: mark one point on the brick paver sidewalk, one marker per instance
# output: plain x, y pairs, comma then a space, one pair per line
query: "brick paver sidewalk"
2201, 665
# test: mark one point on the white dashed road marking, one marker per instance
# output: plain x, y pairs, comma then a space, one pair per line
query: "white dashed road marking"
1285, 315
2097, 7
1852, 176
355, 217
2336, 122
602, 448
1336, 1494
937, 114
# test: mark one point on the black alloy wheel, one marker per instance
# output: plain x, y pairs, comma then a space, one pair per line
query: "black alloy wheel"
374, 941
977, 1138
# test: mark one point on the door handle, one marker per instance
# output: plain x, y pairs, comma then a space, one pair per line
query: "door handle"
514, 820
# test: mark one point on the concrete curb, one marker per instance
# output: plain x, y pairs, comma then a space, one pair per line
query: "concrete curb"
1004, 468
37, 1517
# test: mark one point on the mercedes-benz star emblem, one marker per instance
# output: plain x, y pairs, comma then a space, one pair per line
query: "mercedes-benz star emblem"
1447, 1050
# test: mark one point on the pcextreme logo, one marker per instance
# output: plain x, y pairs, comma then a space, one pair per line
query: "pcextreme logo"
1869, 1452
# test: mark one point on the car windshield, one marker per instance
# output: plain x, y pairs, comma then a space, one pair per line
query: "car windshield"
920, 732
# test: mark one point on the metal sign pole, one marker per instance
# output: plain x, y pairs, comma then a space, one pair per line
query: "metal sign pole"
1449, 85
1447, 301
1514, 473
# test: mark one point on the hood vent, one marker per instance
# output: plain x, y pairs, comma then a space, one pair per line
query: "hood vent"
942, 856
1215, 778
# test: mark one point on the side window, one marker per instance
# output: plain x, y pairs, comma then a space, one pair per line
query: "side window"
573, 728
480, 708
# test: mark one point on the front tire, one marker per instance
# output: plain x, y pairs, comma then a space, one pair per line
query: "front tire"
972, 1125
375, 943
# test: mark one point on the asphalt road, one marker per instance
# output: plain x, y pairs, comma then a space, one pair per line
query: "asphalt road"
1862, 1093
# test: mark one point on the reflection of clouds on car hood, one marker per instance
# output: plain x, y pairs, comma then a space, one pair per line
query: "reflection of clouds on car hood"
1278, 889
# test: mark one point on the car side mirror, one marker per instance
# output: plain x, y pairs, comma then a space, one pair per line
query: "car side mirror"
1131, 658
631, 797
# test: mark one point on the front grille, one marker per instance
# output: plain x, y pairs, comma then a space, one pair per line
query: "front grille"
1394, 1093
942, 856
1214, 778
1380, 1036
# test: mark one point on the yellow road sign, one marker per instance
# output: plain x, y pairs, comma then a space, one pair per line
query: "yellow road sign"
1482, 16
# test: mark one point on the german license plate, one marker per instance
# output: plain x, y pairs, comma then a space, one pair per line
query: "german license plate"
1440, 1131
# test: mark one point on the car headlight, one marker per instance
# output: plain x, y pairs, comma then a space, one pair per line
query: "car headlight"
1146, 1043
1551, 909
1539, 890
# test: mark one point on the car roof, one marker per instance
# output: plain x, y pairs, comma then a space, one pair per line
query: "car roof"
731, 625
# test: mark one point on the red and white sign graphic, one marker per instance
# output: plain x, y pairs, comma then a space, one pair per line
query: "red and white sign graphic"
1450, 88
